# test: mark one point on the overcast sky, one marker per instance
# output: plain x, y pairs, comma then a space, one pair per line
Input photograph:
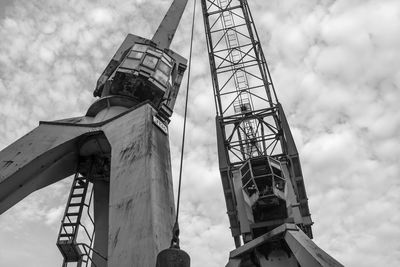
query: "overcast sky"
336, 68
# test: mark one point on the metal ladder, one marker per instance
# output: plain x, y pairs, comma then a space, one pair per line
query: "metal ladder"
243, 104
71, 250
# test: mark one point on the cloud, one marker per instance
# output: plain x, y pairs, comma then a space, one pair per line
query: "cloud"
101, 16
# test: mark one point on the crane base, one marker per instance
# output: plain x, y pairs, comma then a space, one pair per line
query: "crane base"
285, 245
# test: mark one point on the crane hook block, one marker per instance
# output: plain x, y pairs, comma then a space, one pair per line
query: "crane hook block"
173, 257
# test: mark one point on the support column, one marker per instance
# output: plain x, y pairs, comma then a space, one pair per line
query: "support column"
141, 193
101, 218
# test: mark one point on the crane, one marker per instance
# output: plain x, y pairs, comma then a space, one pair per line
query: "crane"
259, 164
118, 153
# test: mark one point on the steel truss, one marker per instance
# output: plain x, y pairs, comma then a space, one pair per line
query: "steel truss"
241, 80
250, 120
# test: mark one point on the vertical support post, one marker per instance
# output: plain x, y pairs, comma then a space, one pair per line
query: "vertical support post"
141, 193
101, 218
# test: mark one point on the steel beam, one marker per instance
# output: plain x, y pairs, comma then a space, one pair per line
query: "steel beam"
101, 219
166, 31
307, 253
302, 251
253, 244
42, 157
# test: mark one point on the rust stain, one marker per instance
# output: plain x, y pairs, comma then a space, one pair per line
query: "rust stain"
7, 163
128, 152
128, 205
326, 259
115, 241
131, 152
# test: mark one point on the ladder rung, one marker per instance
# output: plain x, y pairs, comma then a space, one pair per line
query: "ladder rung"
80, 180
233, 43
77, 195
70, 224
75, 204
72, 214
78, 187
66, 235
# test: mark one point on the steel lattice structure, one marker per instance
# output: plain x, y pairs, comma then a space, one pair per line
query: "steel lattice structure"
250, 120
244, 93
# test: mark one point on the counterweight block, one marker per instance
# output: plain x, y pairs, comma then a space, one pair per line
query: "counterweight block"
173, 257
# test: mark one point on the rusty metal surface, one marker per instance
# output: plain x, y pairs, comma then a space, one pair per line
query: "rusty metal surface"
141, 196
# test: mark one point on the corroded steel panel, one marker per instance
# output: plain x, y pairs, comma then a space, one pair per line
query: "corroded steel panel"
141, 193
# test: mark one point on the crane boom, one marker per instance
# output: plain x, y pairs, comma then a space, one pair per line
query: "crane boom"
167, 28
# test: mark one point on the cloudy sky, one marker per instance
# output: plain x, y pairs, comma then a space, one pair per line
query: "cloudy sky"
336, 68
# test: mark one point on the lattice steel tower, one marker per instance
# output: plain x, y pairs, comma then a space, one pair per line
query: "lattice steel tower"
259, 164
